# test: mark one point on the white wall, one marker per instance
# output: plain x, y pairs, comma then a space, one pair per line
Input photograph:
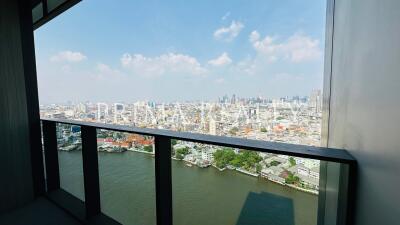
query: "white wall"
365, 102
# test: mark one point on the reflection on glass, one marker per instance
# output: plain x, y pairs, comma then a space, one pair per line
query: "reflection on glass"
37, 12
234, 186
70, 159
127, 182
52, 4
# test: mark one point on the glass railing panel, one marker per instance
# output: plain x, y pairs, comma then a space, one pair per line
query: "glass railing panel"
69, 145
52, 4
37, 12
218, 185
127, 177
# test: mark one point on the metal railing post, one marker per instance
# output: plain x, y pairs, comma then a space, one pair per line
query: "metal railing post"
51, 155
163, 180
90, 170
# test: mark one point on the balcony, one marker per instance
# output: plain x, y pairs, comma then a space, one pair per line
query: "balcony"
87, 208
359, 168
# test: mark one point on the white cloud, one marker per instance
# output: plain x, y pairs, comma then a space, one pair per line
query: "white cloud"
297, 48
229, 33
106, 69
68, 56
104, 72
254, 36
248, 65
222, 60
226, 16
166, 63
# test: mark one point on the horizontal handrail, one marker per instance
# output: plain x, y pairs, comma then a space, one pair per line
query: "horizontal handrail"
311, 152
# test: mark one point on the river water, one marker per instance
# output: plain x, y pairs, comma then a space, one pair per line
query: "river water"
201, 196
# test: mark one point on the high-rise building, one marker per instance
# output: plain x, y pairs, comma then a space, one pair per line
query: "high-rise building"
315, 101
212, 127
102, 111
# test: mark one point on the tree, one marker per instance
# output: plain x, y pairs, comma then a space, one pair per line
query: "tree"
118, 135
291, 178
179, 156
148, 148
258, 168
245, 159
223, 157
274, 163
182, 151
292, 161
263, 129
233, 131
173, 142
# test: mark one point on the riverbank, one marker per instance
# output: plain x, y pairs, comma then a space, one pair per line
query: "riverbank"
247, 172
216, 167
314, 192
141, 151
127, 191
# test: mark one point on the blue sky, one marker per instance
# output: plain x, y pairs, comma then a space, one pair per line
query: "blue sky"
181, 50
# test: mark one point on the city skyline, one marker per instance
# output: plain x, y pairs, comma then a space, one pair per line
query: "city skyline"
176, 54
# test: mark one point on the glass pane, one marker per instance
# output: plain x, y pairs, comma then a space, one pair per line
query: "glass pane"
52, 4
127, 182
250, 69
216, 185
37, 12
70, 159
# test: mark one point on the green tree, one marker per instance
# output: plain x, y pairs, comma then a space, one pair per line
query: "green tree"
179, 156
258, 168
245, 159
292, 161
274, 163
292, 179
182, 151
223, 157
148, 148
234, 130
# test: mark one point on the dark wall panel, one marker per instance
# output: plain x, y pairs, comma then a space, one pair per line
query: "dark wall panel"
16, 185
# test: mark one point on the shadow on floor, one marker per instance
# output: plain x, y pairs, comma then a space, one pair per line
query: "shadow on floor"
266, 209
39, 212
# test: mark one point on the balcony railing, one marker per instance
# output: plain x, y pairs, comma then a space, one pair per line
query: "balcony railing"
90, 209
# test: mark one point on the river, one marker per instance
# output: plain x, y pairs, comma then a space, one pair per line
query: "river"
201, 196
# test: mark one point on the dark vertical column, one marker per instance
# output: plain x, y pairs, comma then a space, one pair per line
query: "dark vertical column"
90, 170
51, 154
322, 192
163, 180
21, 172
347, 195
31, 87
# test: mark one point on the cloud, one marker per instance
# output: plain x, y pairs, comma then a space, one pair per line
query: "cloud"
248, 66
226, 16
68, 56
297, 48
229, 33
106, 69
105, 72
166, 63
254, 36
222, 60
